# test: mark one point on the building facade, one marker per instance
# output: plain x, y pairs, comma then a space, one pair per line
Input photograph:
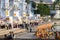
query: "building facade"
12, 7
57, 15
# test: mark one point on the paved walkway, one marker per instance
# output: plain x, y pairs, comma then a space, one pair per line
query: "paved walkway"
26, 36
29, 36
15, 30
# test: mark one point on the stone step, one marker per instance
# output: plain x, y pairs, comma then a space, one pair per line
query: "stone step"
16, 30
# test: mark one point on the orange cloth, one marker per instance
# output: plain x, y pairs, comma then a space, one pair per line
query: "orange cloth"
44, 26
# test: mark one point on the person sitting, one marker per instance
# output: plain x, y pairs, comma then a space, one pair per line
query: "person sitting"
5, 37
11, 36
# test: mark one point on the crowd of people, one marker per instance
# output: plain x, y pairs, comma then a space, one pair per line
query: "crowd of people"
9, 37
9, 26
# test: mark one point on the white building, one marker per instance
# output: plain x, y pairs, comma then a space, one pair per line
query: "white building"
29, 10
57, 12
11, 6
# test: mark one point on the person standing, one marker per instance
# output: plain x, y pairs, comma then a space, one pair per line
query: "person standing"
30, 29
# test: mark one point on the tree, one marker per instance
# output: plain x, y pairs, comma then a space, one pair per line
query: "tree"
42, 9
33, 4
28, 1
56, 2
53, 6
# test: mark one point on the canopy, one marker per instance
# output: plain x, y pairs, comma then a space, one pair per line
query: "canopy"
44, 26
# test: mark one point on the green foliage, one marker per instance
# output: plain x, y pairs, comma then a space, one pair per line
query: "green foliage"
28, 1
55, 3
33, 4
58, 3
43, 9
35, 11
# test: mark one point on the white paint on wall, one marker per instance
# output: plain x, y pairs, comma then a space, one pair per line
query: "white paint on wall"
57, 14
